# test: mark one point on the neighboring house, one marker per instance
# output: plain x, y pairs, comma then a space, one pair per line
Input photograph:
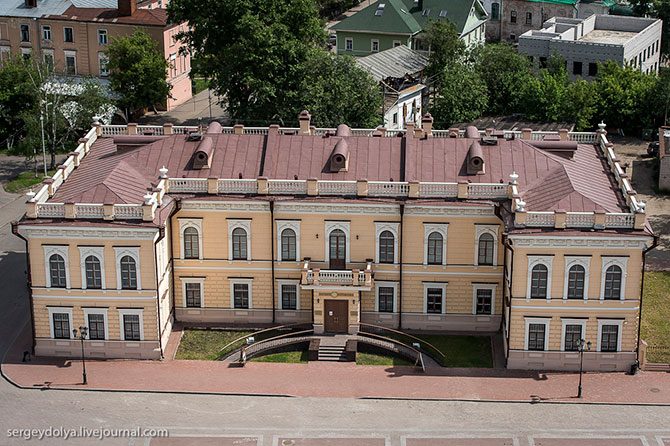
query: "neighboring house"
399, 72
632, 41
508, 19
537, 236
71, 36
389, 23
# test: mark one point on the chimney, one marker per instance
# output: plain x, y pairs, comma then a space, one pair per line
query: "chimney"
304, 117
427, 124
127, 7
30, 3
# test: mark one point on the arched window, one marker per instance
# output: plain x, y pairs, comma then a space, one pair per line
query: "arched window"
486, 245
495, 11
435, 253
191, 243
613, 276
239, 244
93, 272
576, 275
338, 249
288, 244
538, 282
128, 273
57, 271
386, 247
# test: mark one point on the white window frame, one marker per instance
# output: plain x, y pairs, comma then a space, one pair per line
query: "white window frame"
122, 328
397, 43
134, 252
46, 29
622, 262
493, 231
547, 326
102, 60
198, 280
99, 253
534, 260
196, 223
484, 286
280, 283
565, 322
394, 228
372, 45
64, 34
49, 250
295, 226
5, 53
103, 32
348, 47
26, 51
330, 226
102, 311
429, 228
602, 322
386, 284
243, 224
50, 52
232, 292
70, 53
440, 285
53, 310
585, 262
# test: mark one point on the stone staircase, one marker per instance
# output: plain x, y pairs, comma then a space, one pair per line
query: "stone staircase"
332, 348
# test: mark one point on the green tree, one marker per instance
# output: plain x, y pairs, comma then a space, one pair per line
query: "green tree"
505, 72
543, 96
661, 98
16, 95
461, 97
446, 47
580, 105
138, 71
335, 90
254, 52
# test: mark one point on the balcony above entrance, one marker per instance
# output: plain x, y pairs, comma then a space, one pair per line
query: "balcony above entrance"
355, 279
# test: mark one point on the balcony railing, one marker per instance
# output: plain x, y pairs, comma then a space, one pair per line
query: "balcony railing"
316, 277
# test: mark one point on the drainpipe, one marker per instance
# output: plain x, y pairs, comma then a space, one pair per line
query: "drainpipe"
272, 257
15, 231
508, 245
402, 226
172, 277
639, 317
161, 236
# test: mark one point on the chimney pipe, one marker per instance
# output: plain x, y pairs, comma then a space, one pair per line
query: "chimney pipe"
127, 7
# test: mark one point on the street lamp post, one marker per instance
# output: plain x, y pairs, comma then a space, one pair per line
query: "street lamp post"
44, 152
81, 335
581, 347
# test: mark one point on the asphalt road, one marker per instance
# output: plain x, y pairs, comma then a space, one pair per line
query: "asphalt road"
203, 420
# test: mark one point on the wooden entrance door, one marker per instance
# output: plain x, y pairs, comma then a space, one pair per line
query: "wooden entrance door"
335, 317
338, 249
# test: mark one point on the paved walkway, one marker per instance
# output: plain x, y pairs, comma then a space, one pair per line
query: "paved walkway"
191, 112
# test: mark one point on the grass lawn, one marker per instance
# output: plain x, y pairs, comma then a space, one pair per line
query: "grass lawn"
207, 344
462, 351
656, 315
299, 357
24, 180
373, 359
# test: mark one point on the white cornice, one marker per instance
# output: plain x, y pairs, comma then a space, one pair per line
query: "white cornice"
235, 206
88, 232
450, 211
580, 242
337, 208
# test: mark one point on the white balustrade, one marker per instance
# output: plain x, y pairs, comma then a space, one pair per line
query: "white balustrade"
438, 190
388, 189
540, 219
239, 186
188, 185
113, 130
337, 187
149, 129
580, 219
583, 137
440, 133
89, 210
128, 211
183, 129
51, 210
287, 187
255, 130
619, 220
481, 190
539, 136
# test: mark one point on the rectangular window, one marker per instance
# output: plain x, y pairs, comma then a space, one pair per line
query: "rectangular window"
25, 33
26, 52
573, 334
396, 43
484, 301
241, 295
512, 17
385, 296
61, 323
577, 68
104, 70
593, 69
609, 338
543, 62
68, 35
96, 326
193, 295
289, 297
374, 45
48, 56
131, 327
529, 18
102, 36
70, 63
434, 300
536, 334
348, 44
46, 32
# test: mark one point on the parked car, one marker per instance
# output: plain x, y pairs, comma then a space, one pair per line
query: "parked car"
653, 147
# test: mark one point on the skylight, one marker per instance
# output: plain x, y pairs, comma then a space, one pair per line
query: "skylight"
443, 13
426, 12
380, 9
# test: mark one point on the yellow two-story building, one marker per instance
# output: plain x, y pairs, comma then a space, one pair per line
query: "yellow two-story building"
538, 236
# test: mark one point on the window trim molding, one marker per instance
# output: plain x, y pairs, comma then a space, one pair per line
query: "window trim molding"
105, 321
71, 28
484, 286
393, 228
486, 229
621, 262
232, 225
534, 260
565, 323
429, 228
53, 310
106, 34
61, 250
372, 46
387, 284
185, 223
547, 326
73, 54
602, 322
97, 252
232, 293
346, 40
134, 252
198, 280
585, 262
295, 226
345, 227
122, 326
440, 285
280, 283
